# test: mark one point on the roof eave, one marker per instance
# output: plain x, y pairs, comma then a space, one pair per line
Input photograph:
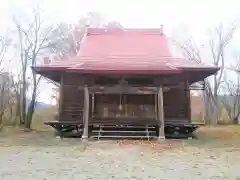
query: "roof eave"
211, 70
42, 69
133, 72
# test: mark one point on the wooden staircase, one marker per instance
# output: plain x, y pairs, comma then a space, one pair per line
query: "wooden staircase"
115, 132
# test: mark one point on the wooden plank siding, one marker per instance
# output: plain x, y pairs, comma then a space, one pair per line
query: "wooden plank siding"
72, 102
176, 105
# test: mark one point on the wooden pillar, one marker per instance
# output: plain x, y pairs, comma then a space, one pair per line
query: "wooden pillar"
156, 106
161, 135
60, 98
187, 91
93, 104
86, 113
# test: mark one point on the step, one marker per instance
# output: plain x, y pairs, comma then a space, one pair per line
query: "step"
122, 128
103, 131
114, 126
124, 136
72, 110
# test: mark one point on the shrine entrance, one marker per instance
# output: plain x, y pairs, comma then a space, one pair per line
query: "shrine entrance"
125, 105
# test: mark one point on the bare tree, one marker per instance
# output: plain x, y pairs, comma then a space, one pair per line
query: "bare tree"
17, 84
33, 42
4, 95
3, 49
231, 100
4, 81
66, 39
217, 44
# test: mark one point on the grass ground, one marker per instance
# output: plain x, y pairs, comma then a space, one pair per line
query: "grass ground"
39, 155
221, 132
221, 135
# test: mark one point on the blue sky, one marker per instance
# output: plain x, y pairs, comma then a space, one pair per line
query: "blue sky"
178, 17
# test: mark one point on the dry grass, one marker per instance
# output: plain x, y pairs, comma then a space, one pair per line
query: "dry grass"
43, 116
221, 131
221, 136
209, 137
227, 136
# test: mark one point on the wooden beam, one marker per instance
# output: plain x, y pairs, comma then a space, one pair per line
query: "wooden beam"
161, 135
123, 90
86, 113
117, 89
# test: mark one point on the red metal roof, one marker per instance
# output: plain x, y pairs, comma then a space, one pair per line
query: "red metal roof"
143, 51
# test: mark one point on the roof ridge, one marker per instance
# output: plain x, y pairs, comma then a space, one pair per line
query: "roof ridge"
123, 29
137, 31
125, 56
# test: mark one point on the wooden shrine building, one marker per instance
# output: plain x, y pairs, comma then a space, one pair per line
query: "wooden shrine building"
125, 83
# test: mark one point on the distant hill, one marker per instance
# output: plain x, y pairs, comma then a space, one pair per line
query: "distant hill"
40, 105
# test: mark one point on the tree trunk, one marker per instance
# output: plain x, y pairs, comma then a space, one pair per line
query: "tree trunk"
1, 118
30, 113
31, 107
236, 118
235, 121
23, 90
18, 110
23, 102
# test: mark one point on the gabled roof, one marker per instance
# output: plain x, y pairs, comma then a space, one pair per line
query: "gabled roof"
121, 51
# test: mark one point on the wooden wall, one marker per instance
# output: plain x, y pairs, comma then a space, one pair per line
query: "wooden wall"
176, 107
71, 108
176, 103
